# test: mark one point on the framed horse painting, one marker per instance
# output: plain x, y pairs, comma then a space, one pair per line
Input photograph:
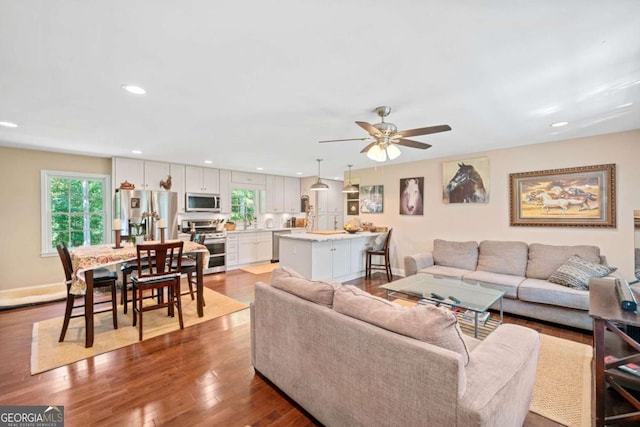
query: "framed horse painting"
466, 181
411, 190
572, 197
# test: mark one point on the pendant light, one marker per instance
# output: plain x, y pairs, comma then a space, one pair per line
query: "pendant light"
350, 188
319, 186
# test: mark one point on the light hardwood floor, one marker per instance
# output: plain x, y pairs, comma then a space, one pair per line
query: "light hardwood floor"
201, 376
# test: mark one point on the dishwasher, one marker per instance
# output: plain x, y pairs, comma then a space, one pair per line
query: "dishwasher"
275, 250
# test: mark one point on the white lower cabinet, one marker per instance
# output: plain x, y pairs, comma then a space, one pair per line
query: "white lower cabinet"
231, 250
254, 246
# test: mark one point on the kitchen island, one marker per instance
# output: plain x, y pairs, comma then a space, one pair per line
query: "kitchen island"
326, 256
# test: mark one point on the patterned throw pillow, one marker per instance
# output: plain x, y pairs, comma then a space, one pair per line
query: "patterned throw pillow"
576, 272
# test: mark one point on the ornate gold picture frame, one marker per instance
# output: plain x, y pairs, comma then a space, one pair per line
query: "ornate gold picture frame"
573, 197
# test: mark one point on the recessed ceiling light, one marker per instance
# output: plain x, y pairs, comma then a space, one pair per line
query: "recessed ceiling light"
8, 124
136, 151
208, 162
298, 173
260, 169
136, 90
559, 124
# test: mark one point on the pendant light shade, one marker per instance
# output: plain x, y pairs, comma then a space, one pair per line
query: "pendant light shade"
319, 186
350, 188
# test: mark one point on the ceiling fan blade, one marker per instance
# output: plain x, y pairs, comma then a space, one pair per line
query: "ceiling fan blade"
340, 140
412, 144
369, 128
424, 131
365, 149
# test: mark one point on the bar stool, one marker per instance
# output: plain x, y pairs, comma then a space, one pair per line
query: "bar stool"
382, 251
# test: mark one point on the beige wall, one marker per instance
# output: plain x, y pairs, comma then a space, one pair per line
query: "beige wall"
21, 264
490, 221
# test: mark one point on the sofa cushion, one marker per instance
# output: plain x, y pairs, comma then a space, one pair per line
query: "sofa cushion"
320, 292
503, 257
576, 272
502, 282
441, 270
544, 260
545, 292
455, 254
427, 323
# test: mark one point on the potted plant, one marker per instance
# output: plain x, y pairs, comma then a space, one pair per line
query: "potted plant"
137, 233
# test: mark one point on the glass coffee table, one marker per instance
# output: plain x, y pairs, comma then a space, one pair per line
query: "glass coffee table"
447, 291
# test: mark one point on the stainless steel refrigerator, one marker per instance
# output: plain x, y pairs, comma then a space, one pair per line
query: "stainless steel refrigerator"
145, 207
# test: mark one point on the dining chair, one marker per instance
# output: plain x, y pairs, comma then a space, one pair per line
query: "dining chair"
380, 250
163, 271
189, 266
102, 278
127, 268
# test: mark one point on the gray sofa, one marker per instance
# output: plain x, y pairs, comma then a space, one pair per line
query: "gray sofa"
519, 269
310, 340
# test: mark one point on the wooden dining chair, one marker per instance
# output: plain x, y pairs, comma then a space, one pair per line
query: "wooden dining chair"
102, 278
189, 266
379, 252
163, 271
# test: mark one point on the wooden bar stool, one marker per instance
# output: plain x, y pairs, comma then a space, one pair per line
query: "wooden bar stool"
381, 251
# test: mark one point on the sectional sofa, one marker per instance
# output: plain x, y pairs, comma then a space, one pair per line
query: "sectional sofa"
529, 274
352, 359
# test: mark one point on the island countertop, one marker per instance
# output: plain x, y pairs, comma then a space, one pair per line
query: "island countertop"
311, 237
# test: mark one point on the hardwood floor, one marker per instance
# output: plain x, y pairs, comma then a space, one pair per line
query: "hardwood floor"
200, 376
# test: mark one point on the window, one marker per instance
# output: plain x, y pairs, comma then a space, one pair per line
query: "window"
74, 209
243, 205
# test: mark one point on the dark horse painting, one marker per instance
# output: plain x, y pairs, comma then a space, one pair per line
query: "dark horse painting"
466, 186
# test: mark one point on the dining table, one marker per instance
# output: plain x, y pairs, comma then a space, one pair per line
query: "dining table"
85, 259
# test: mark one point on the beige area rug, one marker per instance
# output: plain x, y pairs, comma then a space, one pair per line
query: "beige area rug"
47, 353
563, 382
261, 269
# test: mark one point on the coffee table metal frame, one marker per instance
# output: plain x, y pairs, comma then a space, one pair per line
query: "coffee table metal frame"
456, 293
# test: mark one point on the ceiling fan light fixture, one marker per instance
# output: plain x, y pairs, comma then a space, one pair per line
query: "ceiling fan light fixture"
377, 153
393, 152
319, 185
350, 188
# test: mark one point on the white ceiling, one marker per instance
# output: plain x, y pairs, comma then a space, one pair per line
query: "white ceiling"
257, 83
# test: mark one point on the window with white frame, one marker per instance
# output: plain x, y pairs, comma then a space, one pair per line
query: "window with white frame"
75, 209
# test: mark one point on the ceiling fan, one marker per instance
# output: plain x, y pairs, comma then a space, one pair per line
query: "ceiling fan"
385, 136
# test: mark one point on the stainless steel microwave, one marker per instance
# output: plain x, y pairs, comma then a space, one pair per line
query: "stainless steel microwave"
202, 202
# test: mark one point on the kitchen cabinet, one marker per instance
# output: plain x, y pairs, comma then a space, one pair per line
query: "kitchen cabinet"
339, 257
329, 221
225, 191
274, 193
144, 174
330, 201
239, 177
232, 250
254, 247
291, 197
177, 183
202, 180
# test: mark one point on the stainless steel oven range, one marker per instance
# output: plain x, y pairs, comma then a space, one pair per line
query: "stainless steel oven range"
215, 241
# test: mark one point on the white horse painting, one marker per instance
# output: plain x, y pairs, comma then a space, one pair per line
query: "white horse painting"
411, 196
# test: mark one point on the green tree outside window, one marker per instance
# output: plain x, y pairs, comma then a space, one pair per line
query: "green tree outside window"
243, 205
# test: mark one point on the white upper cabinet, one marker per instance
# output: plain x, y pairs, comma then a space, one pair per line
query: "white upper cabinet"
330, 201
291, 195
274, 202
239, 177
145, 175
225, 191
202, 180
177, 183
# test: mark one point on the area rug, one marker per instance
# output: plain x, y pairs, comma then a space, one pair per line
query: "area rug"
563, 382
47, 353
261, 269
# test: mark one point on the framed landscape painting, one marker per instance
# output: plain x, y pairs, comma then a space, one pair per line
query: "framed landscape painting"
371, 198
573, 197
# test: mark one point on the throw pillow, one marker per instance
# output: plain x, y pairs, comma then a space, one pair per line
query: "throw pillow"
428, 323
576, 272
378, 244
317, 291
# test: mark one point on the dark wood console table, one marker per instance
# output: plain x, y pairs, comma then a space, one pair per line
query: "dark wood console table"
604, 308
